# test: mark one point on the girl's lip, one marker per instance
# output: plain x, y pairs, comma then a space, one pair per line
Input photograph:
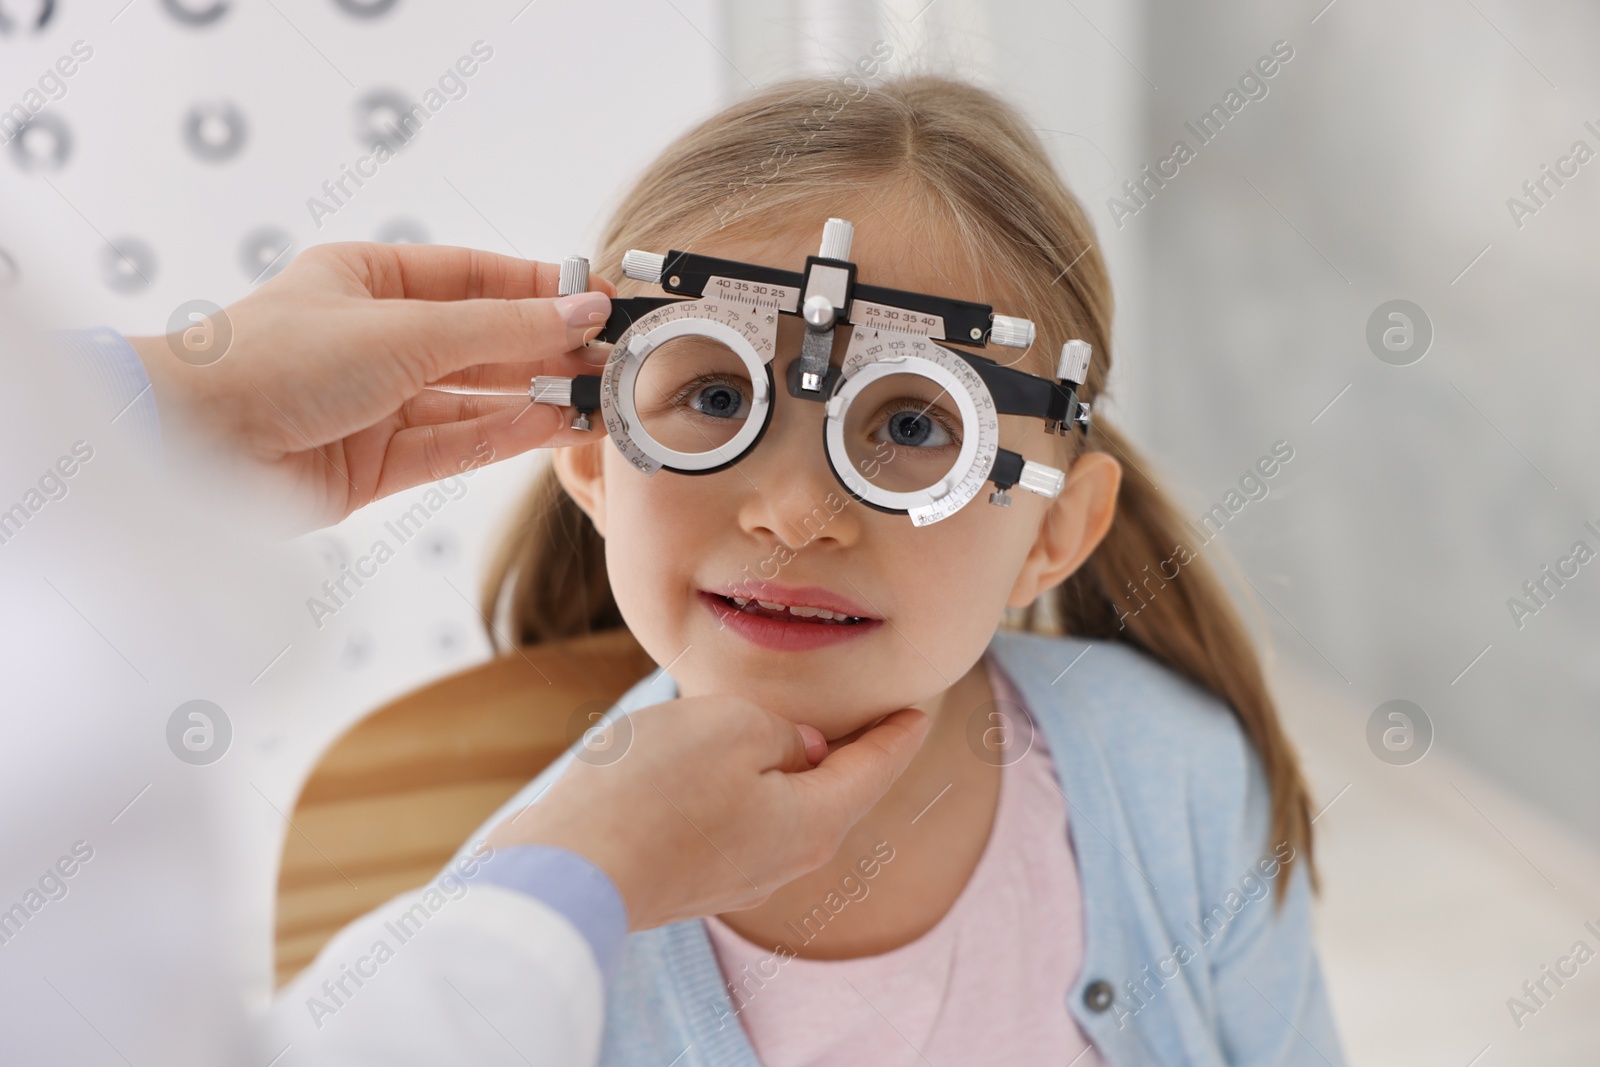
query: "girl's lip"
800, 635
799, 596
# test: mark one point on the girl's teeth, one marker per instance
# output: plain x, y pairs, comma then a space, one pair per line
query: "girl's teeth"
821, 614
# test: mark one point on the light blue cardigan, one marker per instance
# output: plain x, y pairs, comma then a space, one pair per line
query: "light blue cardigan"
1168, 817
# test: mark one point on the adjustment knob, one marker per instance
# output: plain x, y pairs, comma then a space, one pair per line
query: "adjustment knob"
837, 234
1074, 363
819, 312
643, 266
1041, 479
1011, 332
574, 276
551, 389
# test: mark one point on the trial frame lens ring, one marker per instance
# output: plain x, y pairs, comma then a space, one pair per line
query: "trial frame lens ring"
852, 386
638, 351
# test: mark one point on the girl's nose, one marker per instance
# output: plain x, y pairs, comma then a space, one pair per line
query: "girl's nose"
790, 492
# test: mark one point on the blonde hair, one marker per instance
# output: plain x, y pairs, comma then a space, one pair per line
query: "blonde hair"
973, 163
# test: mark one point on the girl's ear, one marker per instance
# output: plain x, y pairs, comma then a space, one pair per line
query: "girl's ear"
1074, 525
581, 471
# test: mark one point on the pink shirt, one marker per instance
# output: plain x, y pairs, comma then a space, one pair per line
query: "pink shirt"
987, 984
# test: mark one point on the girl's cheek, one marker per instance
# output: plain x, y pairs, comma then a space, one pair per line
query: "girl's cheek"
655, 555
963, 572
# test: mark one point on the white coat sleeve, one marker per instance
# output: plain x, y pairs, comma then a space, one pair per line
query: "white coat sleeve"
461, 972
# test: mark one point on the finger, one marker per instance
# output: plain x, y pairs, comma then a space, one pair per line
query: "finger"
845, 739
816, 744
852, 779
507, 378
423, 454
444, 272
780, 744
437, 407
803, 747
446, 337
434, 407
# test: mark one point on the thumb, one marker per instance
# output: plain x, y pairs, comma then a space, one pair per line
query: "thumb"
816, 744
855, 776
798, 747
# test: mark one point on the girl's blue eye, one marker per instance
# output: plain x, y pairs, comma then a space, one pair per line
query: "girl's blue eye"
717, 399
914, 426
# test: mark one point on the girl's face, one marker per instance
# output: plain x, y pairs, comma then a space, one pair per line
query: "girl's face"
778, 527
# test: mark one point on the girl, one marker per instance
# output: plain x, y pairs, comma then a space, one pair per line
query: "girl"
1102, 854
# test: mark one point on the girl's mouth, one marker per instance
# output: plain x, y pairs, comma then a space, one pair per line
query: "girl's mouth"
790, 612
787, 627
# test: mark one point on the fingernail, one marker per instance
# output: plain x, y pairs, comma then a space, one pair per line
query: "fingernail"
816, 744
584, 314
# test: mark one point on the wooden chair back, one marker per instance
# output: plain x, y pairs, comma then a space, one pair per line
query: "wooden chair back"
394, 797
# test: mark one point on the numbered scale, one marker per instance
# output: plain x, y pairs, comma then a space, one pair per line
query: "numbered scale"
911, 426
